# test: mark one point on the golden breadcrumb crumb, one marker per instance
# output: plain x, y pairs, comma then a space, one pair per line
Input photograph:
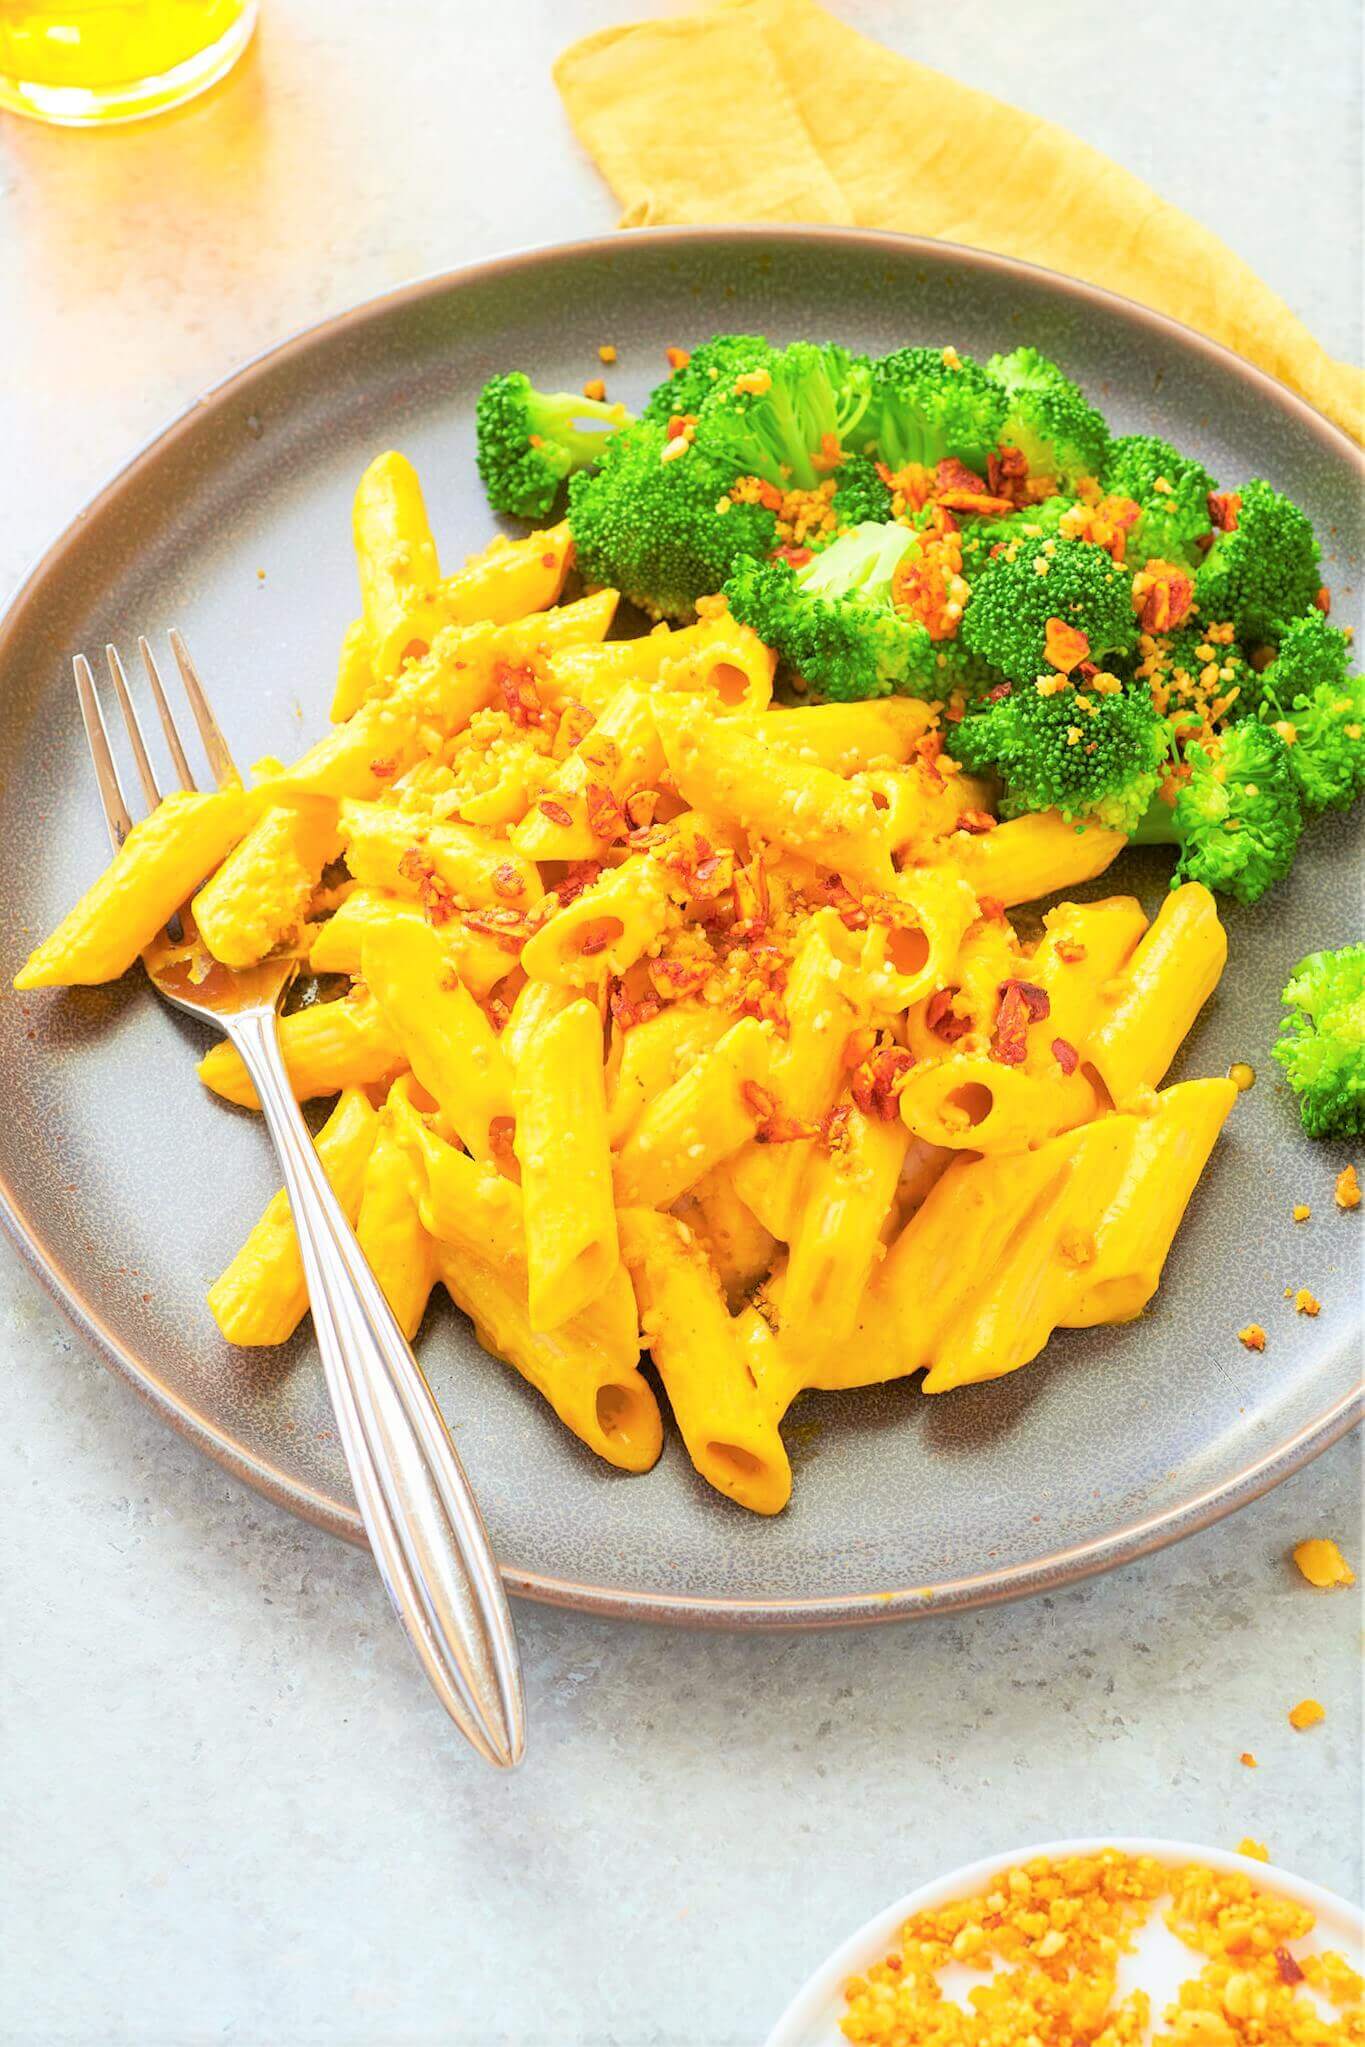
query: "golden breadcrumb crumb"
1302, 1211
1306, 1303
1253, 1336
1348, 1188
606, 353
595, 388
1322, 1563
1257, 1850
1307, 1713
677, 358
1248, 1758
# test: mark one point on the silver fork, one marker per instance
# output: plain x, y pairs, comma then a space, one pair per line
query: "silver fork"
421, 1517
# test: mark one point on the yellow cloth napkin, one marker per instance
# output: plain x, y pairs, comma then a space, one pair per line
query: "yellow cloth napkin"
773, 110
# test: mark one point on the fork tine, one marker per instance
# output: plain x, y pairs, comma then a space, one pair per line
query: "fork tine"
215, 746
116, 815
182, 766
145, 772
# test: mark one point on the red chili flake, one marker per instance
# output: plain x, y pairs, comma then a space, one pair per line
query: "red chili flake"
1066, 1055
999, 693
605, 817
1036, 999
876, 1085
927, 751
505, 927
594, 942
954, 712
435, 896
382, 769
976, 822
578, 875
627, 1010
640, 807
1287, 1967
773, 1125
501, 1131
1071, 950
991, 908
943, 1020
1020, 1005
955, 475
506, 881
678, 423
1224, 508
796, 557
556, 812
1165, 596
520, 697
676, 978
575, 723
999, 548
834, 1127
1323, 599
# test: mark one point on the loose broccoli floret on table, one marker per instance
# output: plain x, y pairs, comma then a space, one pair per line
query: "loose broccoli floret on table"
1093, 748
1235, 816
931, 405
1020, 591
1321, 1045
833, 620
660, 527
724, 355
1262, 569
528, 441
1318, 708
1172, 493
1048, 418
787, 420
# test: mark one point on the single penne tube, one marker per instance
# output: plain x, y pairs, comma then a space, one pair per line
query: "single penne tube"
258, 900
735, 1241
355, 672
725, 660
442, 1033
578, 813
509, 578
389, 1228
560, 1105
960, 1013
396, 561
406, 853
478, 959
708, 1113
326, 1047
593, 675
606, 1402
917, 806
721, 767
918, 931
847, 737
159, 865
262, 1296
731, 1436
1160, 992
1033, 856
653, 1054
543, 636
606, 929
845, 1199
536, 1004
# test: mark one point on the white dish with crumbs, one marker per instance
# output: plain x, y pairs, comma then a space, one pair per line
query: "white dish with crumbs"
1159, 1962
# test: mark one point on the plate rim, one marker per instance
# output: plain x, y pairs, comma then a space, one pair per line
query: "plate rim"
851, 1954
1134, 1539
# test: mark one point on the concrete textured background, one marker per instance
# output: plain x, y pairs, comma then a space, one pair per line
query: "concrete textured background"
230, 1814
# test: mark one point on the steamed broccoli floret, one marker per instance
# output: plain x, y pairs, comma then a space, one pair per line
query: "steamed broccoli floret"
1017, 592
833, 621
663, 533
528, 441
1321, 1045
1049, 419
1236, 818
1035, 523
787, 422
1087, 753
930, 405
860, 496
1318, 707
1265, 569
724, 355
1172, 492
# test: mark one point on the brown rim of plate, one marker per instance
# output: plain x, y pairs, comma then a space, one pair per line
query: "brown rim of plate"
1061, 1567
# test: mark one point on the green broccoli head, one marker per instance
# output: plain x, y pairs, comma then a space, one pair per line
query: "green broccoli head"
723, 356
1049, 419
1236, 818
662, 531
1090, 753
1172, 492
984, 538
1318, 708
930, 405
787, 420
528, 441
833, 621
860, 496
1321, 1045
1265, 569
1018, 591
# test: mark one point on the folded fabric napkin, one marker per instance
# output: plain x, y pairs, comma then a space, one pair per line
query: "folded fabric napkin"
772, 110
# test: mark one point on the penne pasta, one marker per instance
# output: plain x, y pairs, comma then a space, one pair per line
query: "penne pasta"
559, 1101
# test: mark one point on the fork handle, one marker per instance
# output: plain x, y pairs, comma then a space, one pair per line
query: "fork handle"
419, 1511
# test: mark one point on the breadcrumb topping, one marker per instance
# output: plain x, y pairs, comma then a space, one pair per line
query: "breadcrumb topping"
1253, 1336
1307, 1713
1322, 1564
1347, 1188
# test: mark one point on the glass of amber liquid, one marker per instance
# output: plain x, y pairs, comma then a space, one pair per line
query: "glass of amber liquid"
84, 63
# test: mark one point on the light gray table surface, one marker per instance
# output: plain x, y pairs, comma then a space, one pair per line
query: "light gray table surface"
230, 1812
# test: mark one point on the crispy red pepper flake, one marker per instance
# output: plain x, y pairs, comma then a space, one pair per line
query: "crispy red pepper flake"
773, 1126
877, 1082
434, 895
976, 822
640, 807
383, 768
1066, 1055
1064, 645
1224, 509
507, 928
795, 557
506, 881
954, 712
501, 1131
578, 875
991, 908
1323, 599
556, 812
627, 1010
834, 1127
1162, 595
942, 1019
927, 750
606, 820
1021, 1004
1287, 1967
1000, 691
1071, 950
676, 978
677, 358
678, 423
520, 697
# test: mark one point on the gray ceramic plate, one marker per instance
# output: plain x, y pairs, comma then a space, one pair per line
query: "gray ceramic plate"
128, 1186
